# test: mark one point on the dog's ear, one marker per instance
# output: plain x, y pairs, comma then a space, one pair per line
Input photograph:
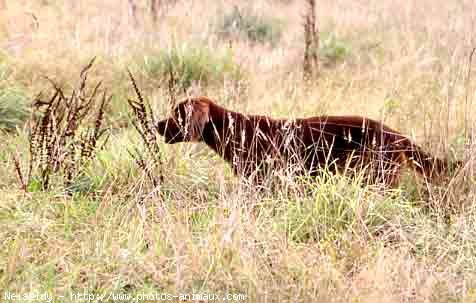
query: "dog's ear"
199, 118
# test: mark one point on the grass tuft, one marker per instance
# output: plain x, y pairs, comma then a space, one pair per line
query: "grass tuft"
192, 64
143, 121
244, 24
64, 133
332, 49
333, 208
13, 108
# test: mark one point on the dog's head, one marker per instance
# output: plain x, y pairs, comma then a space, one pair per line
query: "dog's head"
187, 121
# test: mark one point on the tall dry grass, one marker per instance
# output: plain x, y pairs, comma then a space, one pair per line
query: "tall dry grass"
200, 229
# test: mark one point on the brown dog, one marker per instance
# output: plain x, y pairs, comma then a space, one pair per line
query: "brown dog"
257, 145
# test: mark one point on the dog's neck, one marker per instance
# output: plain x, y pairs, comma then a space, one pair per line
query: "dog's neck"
221, 122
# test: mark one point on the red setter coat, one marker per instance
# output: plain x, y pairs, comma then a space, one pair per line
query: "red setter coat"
257, 145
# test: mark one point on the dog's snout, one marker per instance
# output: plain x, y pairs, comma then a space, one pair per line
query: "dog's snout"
169, 129
161, 127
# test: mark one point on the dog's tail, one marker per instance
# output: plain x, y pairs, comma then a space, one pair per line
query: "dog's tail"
428, 165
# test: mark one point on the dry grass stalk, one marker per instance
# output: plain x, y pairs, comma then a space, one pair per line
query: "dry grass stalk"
154, 8
143, 122
20, 176
172, 87
311, 43
61, 137
468, 97
133, 12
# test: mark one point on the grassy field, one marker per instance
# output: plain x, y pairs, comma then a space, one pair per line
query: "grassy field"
201, 230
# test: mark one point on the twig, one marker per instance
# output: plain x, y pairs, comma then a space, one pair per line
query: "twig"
21, 180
